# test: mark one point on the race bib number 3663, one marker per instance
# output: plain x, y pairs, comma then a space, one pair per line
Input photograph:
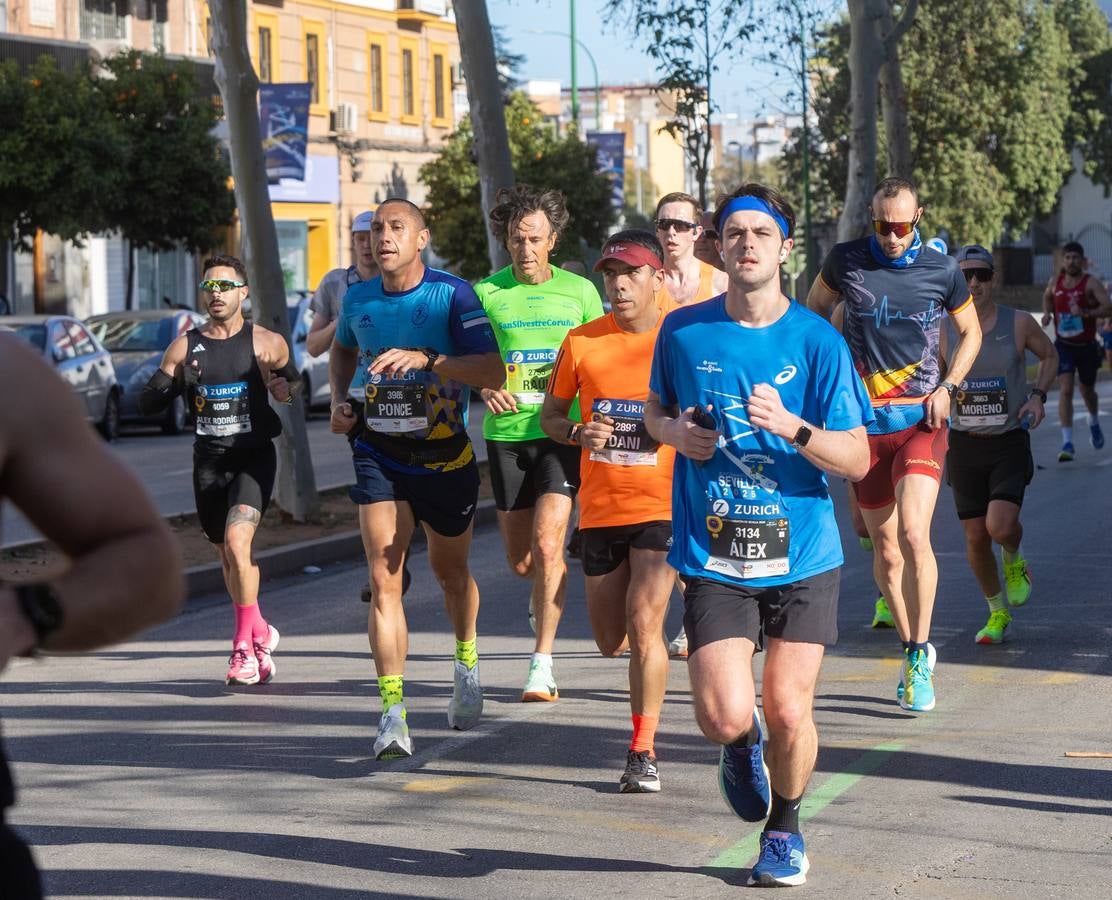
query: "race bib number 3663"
982, 401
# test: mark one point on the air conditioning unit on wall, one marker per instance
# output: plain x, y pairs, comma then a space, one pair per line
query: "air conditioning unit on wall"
342, 119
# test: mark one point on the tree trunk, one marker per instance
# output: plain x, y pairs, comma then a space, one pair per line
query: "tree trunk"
238, 84
893, 99
866, 55
129, 294
488, 118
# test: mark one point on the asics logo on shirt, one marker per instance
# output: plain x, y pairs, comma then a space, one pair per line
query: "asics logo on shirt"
365, 322
786, 375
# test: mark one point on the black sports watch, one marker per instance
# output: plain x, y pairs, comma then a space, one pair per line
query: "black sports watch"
801, 437
573, 432
41, 606
433, 357
1038, 392
950, 387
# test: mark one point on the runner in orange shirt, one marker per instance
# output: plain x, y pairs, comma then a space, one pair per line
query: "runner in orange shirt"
625, 494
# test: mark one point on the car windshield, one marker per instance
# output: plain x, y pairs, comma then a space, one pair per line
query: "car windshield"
133, 334
35, 335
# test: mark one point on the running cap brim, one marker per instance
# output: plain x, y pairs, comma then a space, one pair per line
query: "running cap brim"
362, 222
629, 253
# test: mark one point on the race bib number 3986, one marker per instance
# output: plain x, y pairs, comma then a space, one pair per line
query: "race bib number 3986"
396, 406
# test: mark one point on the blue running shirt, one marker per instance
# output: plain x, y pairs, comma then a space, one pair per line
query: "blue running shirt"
757, 513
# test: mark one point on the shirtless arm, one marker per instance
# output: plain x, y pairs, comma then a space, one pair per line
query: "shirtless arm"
1034, 339
821, 299
1048, 303
320, 335
1097, 294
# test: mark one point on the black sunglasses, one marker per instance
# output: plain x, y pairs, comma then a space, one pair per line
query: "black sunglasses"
680, 225
981, 274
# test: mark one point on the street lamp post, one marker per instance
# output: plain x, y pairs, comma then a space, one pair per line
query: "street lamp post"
575, 89
574, 81
806, 142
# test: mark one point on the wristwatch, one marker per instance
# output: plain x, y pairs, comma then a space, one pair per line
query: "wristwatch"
950, 387
433, 357
573, 432
801, 437
41, 606
1038, 392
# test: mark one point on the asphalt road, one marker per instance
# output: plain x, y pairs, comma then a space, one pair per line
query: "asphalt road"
142, 775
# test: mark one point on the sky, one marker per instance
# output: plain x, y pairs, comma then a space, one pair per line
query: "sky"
747, 89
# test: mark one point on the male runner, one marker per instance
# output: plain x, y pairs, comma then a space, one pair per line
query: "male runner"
1075, 300
532, 305
426, 338
220, 367
686, 278
625, 498
896, 291
706, 244
123, 569
760, 398
989, 464
330, 292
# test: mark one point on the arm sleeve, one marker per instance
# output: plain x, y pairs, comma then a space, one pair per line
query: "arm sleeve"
660, 376
843, 401
563, 383
469, 324
831, 272
957, 291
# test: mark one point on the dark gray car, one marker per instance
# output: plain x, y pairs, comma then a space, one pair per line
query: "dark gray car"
137, 340
76, 355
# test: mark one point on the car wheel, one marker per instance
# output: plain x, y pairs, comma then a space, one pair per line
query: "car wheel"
306, 395
177, 417
109, 425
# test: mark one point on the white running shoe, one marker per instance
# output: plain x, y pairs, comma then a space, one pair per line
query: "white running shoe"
467, 698
540, 685
677, 648
393, 741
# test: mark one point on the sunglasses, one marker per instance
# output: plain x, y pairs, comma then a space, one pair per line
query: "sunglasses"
983, 275
680, 225
219, 285
899, 229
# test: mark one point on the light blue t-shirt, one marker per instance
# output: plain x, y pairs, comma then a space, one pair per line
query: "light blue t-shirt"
758, 512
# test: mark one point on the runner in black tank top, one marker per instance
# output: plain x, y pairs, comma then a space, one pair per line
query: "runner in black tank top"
220, 367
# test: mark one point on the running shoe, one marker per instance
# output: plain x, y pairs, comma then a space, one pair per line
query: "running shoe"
918, 683
243, 668
743, 778
866, 544
993, 632
1017, 582
267, 668
540, 685
1096, 436
393, 741
641, 775
1066, 453
932, 658
466, 704
782, 862
882, 616
677, 647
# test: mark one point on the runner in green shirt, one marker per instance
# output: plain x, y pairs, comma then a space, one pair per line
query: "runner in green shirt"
532, 305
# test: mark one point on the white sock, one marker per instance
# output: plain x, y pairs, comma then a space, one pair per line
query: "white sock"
1092, 419
1010, 557
543, 659
996, 602
1067, 434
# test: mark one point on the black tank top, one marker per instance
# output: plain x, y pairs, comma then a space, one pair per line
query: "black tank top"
229, 402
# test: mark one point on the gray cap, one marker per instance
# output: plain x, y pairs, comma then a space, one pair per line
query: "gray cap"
362, 222
975, 253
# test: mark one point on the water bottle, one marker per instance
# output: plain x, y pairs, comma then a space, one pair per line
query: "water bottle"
1027, 421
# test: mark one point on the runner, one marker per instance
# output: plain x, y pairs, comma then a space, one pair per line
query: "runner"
895, 292
122, 571
706, 244
1076, 300
625, 499
989, 464
532, 305
686, 279
755, 534
424, 337
220, 367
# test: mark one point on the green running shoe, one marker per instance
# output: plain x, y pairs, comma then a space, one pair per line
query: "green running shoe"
1017, 582
882, 617
993, 632
866, 544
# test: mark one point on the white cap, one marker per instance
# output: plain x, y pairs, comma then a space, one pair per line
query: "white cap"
362, 222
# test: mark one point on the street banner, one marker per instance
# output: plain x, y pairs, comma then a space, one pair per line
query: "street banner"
610, 146
284, 123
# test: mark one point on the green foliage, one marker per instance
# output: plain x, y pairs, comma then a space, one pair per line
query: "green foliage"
454, 208
129, 150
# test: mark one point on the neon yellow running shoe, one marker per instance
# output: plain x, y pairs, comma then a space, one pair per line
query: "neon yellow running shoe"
1017, 582
993, 632
866, 544
882, 617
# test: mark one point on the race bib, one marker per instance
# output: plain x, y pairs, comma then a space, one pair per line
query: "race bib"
1070, 325
527, 374
222, 409
630, 444
747, 540
396, 406
982, 401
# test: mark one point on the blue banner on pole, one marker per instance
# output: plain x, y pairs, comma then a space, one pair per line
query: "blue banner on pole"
610, 146
284, 122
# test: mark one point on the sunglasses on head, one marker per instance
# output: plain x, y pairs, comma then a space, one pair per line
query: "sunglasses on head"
215, 285
899, 229
680, 225
981, 274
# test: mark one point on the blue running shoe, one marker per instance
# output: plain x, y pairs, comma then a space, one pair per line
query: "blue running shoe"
1096, 436
783, 861
918, 683
1066, 453
743, 779
932, 658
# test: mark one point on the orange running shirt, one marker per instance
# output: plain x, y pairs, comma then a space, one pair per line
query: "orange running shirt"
706, 285
630, 481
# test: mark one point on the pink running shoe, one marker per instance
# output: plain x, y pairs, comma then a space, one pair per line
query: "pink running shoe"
267, 667
243, 668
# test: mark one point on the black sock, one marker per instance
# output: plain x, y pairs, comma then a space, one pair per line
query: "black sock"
912, 647
784, 815
747, 740
906, 646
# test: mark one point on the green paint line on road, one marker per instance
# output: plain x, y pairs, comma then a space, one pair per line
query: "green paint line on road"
746, 849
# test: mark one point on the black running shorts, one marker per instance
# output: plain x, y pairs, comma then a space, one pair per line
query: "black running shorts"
982, 469
520, 471
804, 611
1085, 359
223, 480
602, 550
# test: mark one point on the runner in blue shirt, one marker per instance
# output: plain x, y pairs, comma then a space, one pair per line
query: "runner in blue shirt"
760, 398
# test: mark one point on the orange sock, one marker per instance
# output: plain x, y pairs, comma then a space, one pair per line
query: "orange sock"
644, 731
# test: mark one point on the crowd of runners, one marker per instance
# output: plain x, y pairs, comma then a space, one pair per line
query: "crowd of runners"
695, 429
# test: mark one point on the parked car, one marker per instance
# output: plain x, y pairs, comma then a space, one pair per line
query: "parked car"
314, 372
78, 357
137, 340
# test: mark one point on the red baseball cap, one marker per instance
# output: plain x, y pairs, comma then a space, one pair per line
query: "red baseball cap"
630, 253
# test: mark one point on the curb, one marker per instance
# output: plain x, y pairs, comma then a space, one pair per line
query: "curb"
281, 562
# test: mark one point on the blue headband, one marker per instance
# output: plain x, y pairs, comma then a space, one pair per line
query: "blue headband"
757, 205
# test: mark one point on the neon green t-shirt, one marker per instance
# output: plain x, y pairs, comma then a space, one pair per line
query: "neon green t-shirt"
530, 322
